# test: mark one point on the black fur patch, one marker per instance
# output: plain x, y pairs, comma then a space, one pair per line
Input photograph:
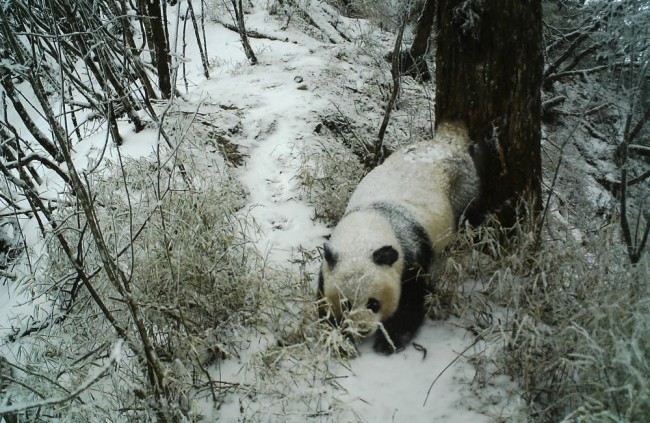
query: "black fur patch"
385, 256
331, 257
417, 247
416, 280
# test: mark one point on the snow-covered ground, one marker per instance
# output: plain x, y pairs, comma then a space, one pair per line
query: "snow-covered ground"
280, 102
276, 107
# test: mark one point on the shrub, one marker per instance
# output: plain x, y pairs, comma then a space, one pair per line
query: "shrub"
328, 178
569, 320
190, 269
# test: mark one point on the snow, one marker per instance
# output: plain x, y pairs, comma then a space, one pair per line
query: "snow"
273, 109
401, 387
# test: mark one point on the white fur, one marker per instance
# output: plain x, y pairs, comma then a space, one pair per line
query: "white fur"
420, 177
433, 180
355, 276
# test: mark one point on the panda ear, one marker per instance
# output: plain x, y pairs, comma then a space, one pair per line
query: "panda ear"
331, 257
385, 256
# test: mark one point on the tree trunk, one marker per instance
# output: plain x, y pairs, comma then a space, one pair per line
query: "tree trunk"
238, 9
423, 30
488, 73
412, 62
160, 47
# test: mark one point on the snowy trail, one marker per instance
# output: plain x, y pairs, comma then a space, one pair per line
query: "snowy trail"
270, 177
278, 115
400, 393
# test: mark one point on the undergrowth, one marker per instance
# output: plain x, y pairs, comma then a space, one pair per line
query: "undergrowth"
566, 316
191, 269
328, 178
293, 375
569, 320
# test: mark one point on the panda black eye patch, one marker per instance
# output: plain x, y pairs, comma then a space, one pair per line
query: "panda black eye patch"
373, 305
385, 256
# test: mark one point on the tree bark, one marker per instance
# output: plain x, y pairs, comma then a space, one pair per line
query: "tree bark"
160, 46
423, 30
413, 63
489, 68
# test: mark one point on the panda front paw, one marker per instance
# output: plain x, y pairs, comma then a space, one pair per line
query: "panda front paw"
383, 346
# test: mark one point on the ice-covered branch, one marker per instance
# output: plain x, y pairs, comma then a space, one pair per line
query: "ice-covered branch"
20, 407
640, 149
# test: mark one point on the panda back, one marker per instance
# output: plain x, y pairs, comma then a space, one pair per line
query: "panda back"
434, 180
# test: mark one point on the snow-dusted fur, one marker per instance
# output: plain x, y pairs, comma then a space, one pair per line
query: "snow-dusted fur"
381, 254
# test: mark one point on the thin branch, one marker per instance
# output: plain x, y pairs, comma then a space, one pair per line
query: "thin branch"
556, 172
99, 374
43, 160
197, 34
16, 208
568, 52
38, 135
395, 73
640, 149
461, 354
567, 74
634, 132
625, 224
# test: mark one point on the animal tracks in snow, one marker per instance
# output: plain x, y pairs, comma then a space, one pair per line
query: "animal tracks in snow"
269, 174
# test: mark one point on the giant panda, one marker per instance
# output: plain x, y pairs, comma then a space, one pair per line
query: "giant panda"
379, 260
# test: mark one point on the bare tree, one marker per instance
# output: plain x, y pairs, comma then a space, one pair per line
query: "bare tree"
158, 43
420, 44
378, 154
83, 55
635, 241
238, 17
200, 41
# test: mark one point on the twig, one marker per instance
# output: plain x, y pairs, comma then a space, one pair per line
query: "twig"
556, 173
640, 149
113, 358
448, 366
395, 72
600, 68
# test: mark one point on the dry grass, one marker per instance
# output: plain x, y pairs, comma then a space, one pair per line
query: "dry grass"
568, 320
328, 178
207, 299
190, 266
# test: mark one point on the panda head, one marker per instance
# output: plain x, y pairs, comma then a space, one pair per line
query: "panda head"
362, 275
